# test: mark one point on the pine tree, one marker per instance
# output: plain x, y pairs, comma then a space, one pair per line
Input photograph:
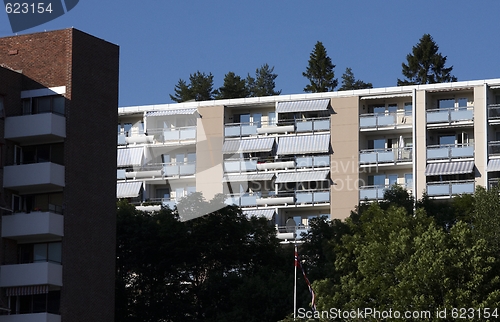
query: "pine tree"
263, 84
349, 82
426, 65
182, 92
320, 71
234, 87
200, 88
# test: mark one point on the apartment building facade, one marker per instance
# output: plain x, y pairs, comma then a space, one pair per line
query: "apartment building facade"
58, 95
294, 157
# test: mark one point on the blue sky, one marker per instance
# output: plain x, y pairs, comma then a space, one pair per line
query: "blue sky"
162, 41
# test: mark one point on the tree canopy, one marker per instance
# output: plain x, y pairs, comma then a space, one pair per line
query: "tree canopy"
425, 65
234, 87
200, 88
320, 71
263, 84
349, 82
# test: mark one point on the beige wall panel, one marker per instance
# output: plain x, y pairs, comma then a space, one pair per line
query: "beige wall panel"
480, 135
345, 158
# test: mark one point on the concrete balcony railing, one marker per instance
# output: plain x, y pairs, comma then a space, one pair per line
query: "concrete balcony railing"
42, 226
450, 115
377, 156
41, 273
31, 317
450, 188
375, 121
25, 177
44, 127
448, 152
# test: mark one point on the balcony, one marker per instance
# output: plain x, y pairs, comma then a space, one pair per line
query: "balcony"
291, 232
32, 317
157, 171
372, 192
39, 226
494, 113
394, 120
450, 188
34, 176
385, 156
261, 164
297, 198
39, 128
494, 148
177, 135
319, 124
449, 152
31, 274
450, 116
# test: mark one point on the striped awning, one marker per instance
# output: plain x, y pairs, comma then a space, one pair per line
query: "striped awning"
128, 189
184, 111
249, 177
267, 213
27, 290
129, 157
302, 106
304, 144
248, 145
493, 165
302, 176
447, 168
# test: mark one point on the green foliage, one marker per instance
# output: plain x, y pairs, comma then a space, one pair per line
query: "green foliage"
320, 71
426, 65
200, 88
218, 267
391, 257
263, 84
234, 87
349, 82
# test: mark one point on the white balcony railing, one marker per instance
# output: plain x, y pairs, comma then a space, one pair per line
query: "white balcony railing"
450, 151
494, 148
172, 135
494, 112
450, 115
384, 120
450, 188
31, 317
262, 164
43, 127
157, 170
376, 192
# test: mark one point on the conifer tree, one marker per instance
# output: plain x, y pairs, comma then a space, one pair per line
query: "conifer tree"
349, 82
426, 65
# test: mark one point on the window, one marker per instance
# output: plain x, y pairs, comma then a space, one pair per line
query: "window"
376, 180
408, 108
271, 118
391, 108
393, 179
43, 252
39, 153
378, 144
44, 104
462, 103
127, 127
256, 119
179, 158
190, 190
163, 193
191, 157
446, 103
242, 118
409, 180
447, 139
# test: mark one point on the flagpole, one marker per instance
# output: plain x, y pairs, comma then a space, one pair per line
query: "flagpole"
295, 281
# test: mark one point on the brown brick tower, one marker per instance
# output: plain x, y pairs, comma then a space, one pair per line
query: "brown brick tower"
59, 99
